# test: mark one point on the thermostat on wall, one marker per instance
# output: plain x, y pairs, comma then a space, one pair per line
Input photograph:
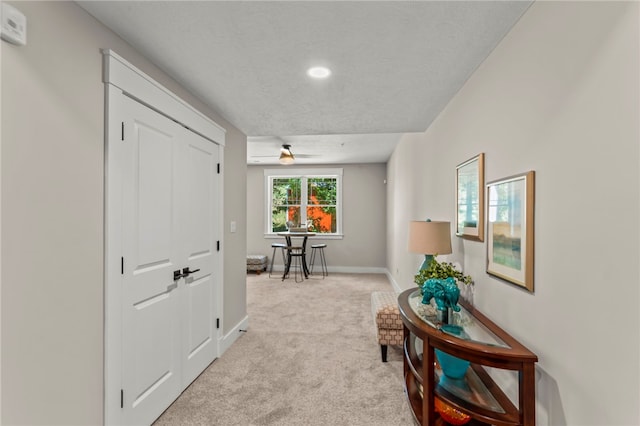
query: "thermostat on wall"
14, 25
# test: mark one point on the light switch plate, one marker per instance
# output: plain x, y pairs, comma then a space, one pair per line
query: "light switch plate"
13, 25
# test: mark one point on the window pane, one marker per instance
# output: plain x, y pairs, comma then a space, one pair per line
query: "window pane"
322, 191
281, 215
285, 203
321, 204
322, 218
286, 191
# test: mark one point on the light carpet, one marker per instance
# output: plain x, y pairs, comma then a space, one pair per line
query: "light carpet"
309, 357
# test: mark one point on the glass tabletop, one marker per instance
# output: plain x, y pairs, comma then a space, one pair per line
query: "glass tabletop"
462, 325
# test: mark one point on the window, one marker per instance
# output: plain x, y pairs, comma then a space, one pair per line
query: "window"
309, 196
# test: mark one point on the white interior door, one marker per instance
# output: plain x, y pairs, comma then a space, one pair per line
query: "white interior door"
169, 226
162, 214
199, 199
151, 333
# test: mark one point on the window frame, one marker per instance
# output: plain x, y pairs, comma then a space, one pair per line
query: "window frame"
304, 174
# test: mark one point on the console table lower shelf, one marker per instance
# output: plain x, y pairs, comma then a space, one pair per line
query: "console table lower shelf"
475, 395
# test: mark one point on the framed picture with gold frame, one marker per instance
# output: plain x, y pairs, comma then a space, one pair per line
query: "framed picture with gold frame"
510, 231
470, 199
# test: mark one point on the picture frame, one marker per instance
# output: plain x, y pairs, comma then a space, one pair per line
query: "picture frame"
510, 229
470, 199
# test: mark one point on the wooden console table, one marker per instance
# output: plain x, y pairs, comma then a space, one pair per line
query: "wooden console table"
483, 344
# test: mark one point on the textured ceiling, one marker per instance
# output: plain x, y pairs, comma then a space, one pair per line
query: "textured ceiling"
395, 64
324, 149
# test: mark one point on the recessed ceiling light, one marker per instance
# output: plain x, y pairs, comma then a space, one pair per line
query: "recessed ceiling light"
319, 72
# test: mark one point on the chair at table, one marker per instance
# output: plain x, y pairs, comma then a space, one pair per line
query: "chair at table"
289, 236
276, 246
315, 248
294, 256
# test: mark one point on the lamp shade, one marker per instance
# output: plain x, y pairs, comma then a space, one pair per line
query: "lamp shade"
431, 238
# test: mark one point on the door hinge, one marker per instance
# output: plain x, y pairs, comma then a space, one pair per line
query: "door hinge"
122, 136
121, 398
217, 322
122, 265
218, 168
217, 245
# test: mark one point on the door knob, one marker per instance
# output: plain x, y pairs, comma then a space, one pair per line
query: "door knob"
186, 271
177, 275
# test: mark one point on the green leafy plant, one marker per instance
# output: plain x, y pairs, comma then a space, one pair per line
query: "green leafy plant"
441, 270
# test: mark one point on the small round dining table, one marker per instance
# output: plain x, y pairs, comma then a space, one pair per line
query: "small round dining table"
288, 235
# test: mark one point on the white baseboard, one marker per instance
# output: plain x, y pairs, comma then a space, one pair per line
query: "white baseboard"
228, 339
393, 282
345, 269
356, 270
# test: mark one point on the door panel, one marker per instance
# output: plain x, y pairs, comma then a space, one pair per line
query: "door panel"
201, 189
151, 374
170, 222
154, 194
200, 316
199, 197
153, 197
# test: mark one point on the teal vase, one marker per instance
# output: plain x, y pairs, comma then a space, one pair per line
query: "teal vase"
453, 367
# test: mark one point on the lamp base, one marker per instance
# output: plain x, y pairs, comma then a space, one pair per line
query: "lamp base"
428, 258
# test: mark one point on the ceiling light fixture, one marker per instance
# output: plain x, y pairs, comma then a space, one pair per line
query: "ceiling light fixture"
319, 72
286, 156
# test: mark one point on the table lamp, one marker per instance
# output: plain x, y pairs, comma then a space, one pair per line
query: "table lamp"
429, 238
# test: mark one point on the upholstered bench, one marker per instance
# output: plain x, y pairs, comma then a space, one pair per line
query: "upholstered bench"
257, 263
384, 307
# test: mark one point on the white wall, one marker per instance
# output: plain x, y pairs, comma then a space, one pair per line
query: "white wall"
559, 95
52, 215
363, 248
234, 247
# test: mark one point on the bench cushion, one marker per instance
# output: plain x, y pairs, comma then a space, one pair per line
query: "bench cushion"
385, 310
389, 327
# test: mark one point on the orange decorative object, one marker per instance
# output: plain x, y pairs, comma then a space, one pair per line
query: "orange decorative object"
450, 414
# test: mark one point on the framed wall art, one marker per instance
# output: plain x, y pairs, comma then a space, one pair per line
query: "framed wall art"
470, 199
510, 207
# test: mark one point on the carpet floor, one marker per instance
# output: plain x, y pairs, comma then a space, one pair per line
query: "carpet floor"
309, 357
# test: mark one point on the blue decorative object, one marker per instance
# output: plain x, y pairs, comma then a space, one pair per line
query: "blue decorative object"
455, 330
453, 367
445, 292
428, 258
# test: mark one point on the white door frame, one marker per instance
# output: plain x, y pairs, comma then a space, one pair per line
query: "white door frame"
122, 78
